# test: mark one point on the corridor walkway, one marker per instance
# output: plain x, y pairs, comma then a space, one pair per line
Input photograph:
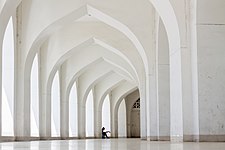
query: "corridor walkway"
109, 144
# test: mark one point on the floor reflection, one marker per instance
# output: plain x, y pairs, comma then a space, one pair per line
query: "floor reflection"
109, 144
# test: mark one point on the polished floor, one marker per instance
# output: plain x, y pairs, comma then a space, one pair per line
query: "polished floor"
109, 144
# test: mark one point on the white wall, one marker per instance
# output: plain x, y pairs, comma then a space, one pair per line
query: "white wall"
211, 64
35, 26
122, 121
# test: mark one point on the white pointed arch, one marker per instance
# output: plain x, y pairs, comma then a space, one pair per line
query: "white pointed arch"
2, 4
114, 69
117, 96
27, 67
100, 97
91, 85
63, 21
169, 19
92, 65
76, 75
7, 80
106, 92
79, 47
5, 14
82, 11
122, 28
121, 98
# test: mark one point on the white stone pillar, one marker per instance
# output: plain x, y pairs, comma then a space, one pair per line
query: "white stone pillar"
1, 85
22, 116
44, 97
128, 113
44, 101
152, 83
64, 107
81, 111
22, 103
45, 114
150, 116
194, 67
143, 112
153, 108
98, 123
163, 83
97, 115
113, 119
176, 112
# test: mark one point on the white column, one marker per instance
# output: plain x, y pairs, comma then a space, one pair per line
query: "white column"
97, 116
176, 118
153, 89
44, 98
73, 122
149, 102
45, 114
143, 113
190, 76
114, 119
1, 89
22, 103
163, 83
64, 107
81, 111
194, 67
128, 113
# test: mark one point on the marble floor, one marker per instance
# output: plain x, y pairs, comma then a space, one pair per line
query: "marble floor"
109, 144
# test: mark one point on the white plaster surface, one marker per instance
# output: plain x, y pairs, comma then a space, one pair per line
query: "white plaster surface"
163, 83
211, 65
211, 12
111, 49
211, 43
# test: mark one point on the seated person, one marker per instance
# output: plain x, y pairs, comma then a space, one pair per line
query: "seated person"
104, 133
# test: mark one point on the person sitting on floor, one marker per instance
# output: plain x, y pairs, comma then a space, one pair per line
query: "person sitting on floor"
104, 133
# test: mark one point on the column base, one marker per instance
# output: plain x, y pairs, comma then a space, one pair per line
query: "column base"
153, 138
212, 138
176, 138
22, 138
164, 138
191, 138
7, 139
